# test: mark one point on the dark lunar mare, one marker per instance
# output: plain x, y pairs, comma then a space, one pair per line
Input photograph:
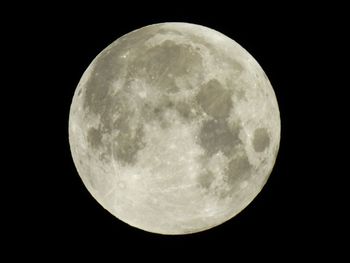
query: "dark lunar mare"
157, 67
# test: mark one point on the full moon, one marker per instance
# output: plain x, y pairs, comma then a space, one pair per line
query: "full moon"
174, 128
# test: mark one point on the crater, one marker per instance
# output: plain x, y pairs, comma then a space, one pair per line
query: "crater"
261, 139
214, 99
216, 135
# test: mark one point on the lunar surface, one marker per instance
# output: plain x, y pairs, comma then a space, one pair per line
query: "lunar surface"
174, 128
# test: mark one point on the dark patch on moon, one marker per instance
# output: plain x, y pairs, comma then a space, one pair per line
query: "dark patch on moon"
167, 103
109, 66
149, 112
128, 146
236, 66
261, 139
216, 135
155, 111
239, 169
160, 64
105, 112
187, 110
94, 138
128, 142
205, 179
99, 83
214, 99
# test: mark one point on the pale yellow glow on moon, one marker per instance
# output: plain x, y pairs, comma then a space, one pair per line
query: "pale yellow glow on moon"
174, 128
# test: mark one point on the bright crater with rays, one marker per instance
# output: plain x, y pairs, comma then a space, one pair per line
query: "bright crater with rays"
174, 128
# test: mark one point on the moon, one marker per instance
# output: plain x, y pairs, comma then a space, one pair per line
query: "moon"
174, 128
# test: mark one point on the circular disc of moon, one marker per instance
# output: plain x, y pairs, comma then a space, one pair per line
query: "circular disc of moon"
174, 128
